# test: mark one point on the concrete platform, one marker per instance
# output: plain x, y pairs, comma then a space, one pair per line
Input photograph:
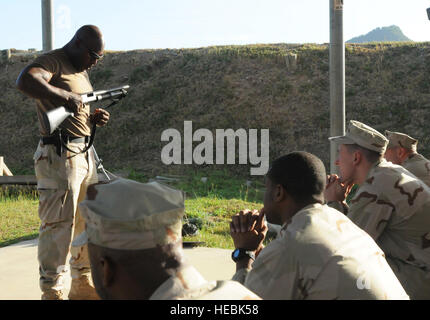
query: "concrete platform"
19, 274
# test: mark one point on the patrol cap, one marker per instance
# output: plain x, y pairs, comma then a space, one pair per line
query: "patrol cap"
364, 136
398, 139
125, 214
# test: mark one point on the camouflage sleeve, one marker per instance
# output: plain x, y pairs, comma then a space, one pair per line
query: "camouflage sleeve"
275, 272
370, 213
240, 275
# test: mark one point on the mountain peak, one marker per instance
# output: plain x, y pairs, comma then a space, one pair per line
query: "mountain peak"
385, 34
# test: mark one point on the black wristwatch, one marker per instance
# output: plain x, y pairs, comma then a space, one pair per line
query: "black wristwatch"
239, 254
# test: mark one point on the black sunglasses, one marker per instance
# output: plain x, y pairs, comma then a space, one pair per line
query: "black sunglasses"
92, 53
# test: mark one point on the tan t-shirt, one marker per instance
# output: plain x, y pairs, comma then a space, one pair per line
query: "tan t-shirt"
65, 77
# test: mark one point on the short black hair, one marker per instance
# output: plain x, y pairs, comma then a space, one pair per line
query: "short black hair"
301, 174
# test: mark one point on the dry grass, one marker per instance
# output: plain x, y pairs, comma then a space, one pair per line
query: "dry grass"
234, 87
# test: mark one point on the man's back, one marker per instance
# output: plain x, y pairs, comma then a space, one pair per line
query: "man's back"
419, 166
321, 254
394, 208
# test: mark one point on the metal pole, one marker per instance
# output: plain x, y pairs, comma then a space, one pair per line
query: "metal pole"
47, 25
337, 78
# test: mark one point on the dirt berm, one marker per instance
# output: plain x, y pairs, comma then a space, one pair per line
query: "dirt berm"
250, 87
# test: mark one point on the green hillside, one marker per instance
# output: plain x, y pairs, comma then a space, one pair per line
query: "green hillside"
250, 87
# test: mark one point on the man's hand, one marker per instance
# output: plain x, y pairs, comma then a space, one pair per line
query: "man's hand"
100, 117
248, 229
336, 190
74, 102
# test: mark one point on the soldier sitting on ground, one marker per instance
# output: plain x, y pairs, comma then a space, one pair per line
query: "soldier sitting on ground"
402, 150
319, 253
391, 205
133, 231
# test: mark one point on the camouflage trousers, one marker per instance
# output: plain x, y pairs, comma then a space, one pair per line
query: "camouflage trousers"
62, 183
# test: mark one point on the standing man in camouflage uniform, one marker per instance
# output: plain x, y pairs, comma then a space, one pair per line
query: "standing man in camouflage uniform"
391, 205
319, 253
402, 150
57, 78
135, 245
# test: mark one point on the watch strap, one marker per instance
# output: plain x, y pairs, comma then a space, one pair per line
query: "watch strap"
240, 253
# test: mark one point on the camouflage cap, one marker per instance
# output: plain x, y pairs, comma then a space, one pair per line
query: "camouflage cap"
364, 136
398, 139
125, 214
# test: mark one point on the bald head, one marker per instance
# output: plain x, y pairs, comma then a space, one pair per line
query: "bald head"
90, 34
86, 47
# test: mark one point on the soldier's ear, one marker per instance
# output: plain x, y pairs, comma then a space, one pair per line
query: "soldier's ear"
402, 153
108, 271
279, 193
358, 157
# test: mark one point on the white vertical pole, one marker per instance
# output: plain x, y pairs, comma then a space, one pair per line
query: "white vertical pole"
337, 77
47, 25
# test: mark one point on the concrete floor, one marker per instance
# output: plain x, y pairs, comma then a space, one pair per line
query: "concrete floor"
19, 273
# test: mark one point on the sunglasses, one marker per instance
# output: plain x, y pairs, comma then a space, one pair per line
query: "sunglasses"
92, 53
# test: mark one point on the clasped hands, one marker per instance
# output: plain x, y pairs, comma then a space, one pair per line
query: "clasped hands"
336, 190
248, 230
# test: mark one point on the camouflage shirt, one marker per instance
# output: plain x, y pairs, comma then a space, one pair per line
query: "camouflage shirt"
188, 284
321, 254
394, 208
419, 166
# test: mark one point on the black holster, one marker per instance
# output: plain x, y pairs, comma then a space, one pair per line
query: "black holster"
60, 140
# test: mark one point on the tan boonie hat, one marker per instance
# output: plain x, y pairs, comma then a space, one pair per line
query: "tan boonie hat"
398, 139
364, 136
125, 214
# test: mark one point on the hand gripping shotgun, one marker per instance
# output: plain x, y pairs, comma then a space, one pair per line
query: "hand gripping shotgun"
53, 118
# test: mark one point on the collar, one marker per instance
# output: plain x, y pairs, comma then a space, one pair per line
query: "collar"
410, 157
185, 280
302, 211
374, 166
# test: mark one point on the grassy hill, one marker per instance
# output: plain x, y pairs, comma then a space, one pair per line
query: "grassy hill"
250, 87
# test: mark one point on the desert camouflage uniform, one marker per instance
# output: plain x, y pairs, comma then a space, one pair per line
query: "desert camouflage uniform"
415, 163
61, 183
321, 254
128, 215
419, 166
188, 284
394, 208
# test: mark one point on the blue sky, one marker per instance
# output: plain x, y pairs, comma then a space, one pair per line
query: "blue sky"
144, 24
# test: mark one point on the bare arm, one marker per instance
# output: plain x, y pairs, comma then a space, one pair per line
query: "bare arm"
34, 82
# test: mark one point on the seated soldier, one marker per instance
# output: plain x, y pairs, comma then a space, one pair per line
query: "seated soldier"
133, 231
319, 253
391, 205
402, 150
